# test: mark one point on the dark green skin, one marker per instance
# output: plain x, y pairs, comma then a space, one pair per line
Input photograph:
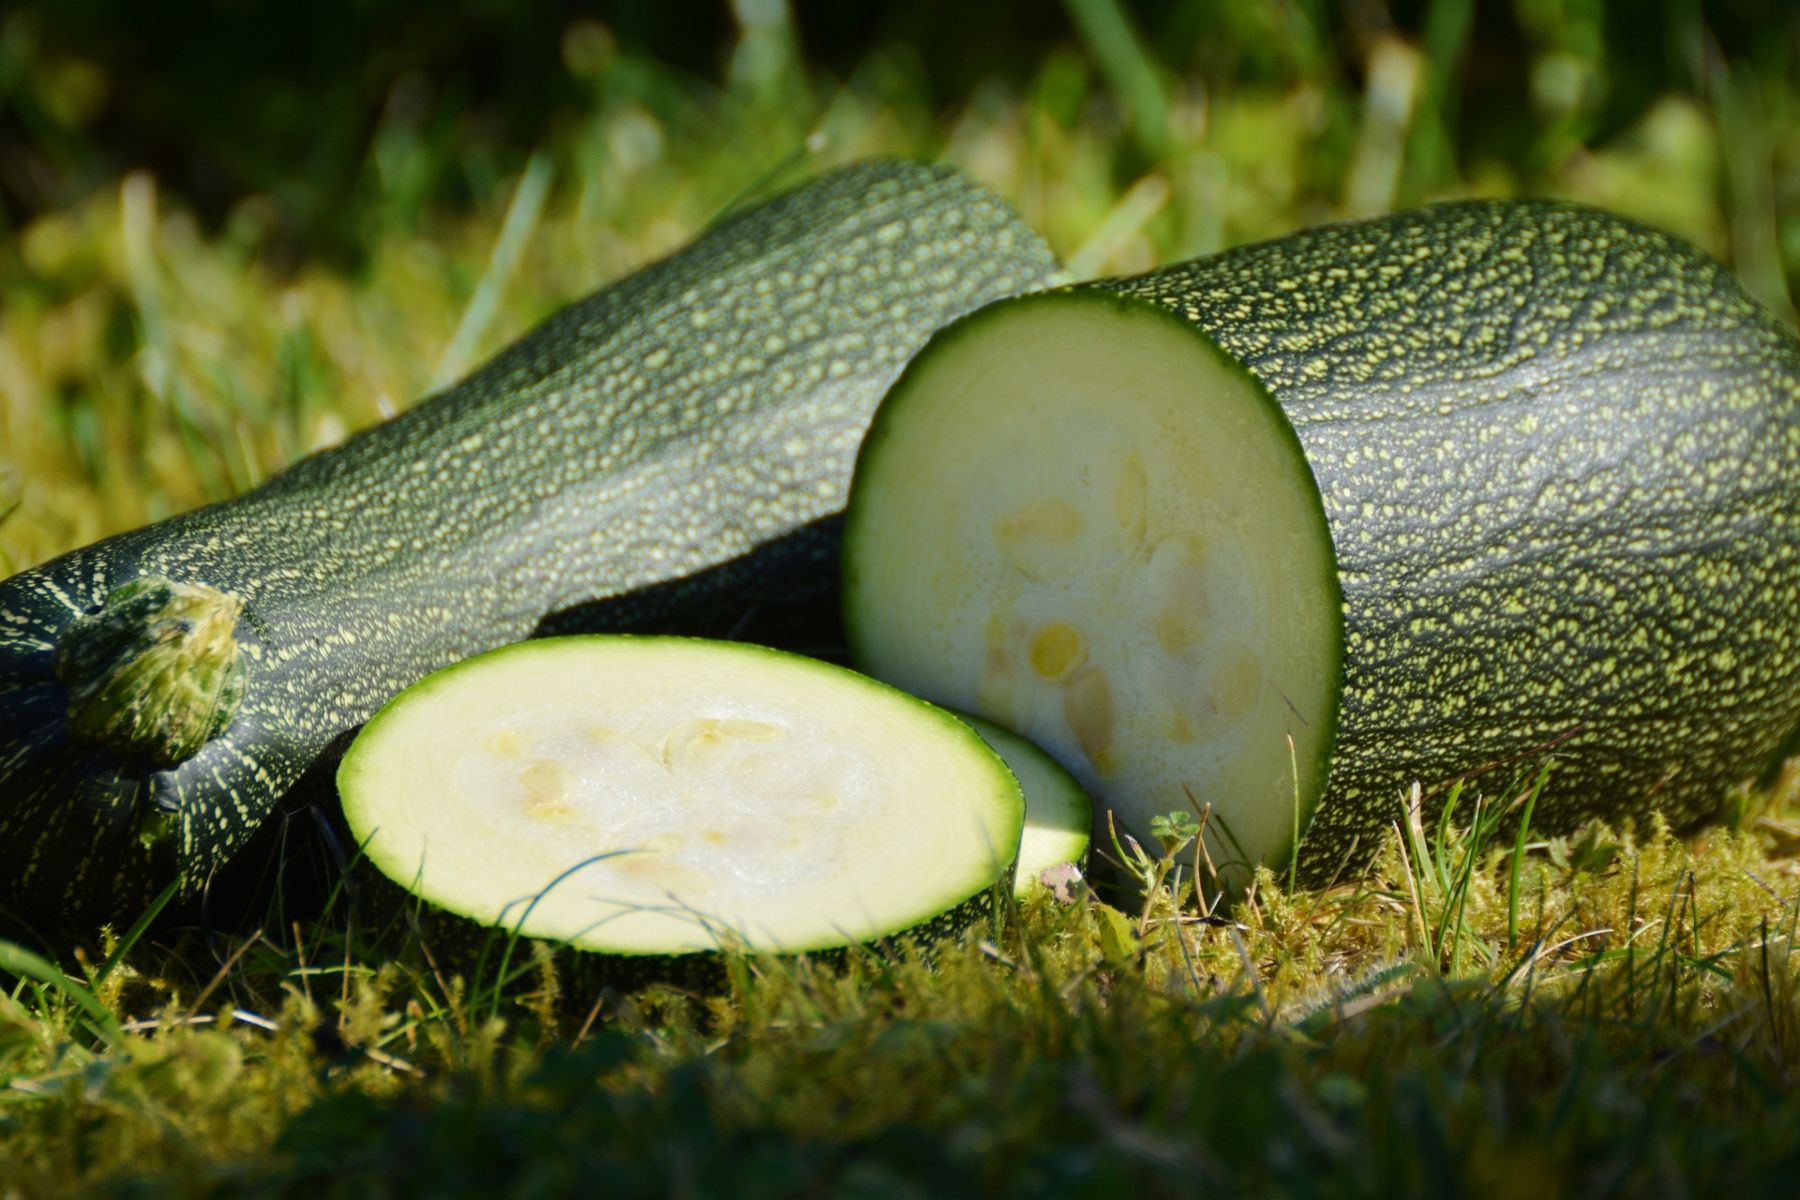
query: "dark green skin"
1559, 454
683, 419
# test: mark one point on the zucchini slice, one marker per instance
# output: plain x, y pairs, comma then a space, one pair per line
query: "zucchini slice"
665, 796
1058, 813
1407, 500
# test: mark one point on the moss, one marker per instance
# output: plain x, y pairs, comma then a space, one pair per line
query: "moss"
1300, 1037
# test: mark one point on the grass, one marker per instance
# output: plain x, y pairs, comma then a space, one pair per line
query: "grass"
1609, 1013
148, 365
1634, 1029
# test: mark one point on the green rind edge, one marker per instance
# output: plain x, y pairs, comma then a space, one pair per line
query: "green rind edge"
1070, 799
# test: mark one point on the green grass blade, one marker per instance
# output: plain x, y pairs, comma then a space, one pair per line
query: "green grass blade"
1518, 857
770, 182
18, 961
1441, 839
1107, 31
12, 496
136, 931
522, 215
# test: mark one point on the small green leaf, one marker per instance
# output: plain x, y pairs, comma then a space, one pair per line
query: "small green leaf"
1174, 830
1118, 940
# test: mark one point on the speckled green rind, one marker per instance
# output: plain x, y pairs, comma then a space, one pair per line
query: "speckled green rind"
1558, 453
670, 423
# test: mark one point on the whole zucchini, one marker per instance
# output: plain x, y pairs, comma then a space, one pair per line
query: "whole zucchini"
160, 690
1286, 530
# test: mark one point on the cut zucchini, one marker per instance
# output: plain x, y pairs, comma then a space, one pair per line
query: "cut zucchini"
662, 796
1410, 500
1140, 582
1058, 813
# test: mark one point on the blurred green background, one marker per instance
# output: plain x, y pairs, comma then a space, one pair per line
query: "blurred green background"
233, 230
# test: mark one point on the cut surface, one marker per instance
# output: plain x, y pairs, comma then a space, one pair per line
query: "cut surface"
1058, 812
668, 795
1076, 516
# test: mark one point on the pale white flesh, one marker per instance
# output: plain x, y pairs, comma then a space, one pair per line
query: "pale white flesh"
1058, 813
1081, 520
668, 795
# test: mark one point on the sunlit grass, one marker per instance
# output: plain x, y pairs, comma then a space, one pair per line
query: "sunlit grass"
147, 366
1644, 988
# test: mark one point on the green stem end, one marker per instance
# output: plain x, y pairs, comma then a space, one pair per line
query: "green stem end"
155, 672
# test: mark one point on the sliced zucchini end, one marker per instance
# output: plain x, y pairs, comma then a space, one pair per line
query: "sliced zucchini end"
1076, 516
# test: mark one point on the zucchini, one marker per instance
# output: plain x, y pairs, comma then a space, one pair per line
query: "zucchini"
1406, 499
1058, 813
655, 797
691, 427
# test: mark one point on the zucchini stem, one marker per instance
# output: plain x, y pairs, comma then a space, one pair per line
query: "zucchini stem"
155, 671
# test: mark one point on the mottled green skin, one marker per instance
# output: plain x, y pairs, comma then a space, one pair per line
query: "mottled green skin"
1558, 453
669, 423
